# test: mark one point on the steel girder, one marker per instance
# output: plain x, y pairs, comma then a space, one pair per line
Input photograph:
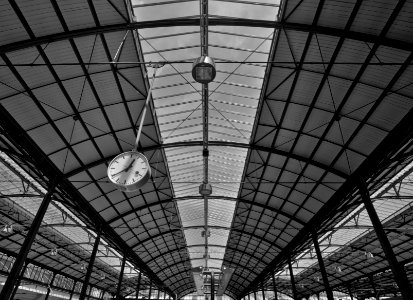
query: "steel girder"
220, 144
237, 22
369, 38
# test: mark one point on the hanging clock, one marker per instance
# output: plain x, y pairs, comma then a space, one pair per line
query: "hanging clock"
129, 171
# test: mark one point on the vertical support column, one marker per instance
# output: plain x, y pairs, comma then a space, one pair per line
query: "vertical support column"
73, 290
255, 295
49, 288
48, 293
212, 286
104, 292
122, 269
90, 291
398, 270
16, 288
294, 289
27, 244
350, 293
138, 287
274, 287
262, 291
150, 290
376, 294
329, 292
90, 265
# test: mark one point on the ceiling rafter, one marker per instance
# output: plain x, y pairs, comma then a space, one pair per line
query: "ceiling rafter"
359, 36
220, 144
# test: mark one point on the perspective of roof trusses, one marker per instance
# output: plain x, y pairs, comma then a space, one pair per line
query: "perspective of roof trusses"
311, 99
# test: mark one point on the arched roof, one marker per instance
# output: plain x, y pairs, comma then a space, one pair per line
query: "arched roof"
310, 98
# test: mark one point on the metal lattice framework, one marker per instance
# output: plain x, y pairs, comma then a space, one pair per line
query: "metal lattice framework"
311, 100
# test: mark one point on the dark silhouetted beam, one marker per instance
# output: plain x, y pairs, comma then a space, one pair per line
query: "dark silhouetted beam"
90, 266
27, 244
219, 144
398, 271
336, 32
329, 292
293, 287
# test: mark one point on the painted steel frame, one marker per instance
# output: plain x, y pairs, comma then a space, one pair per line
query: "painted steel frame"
236, 22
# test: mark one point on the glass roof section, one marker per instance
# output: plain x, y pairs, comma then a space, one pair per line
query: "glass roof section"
147, 10
240, 54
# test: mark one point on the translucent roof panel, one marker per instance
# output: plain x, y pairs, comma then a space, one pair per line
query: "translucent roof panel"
240, 54
185, 167
147, 10
264, 9
220, 214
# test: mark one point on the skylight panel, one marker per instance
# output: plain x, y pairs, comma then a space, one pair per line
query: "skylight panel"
233, 99
158, 10
245, 9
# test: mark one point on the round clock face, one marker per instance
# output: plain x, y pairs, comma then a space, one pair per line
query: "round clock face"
129, 171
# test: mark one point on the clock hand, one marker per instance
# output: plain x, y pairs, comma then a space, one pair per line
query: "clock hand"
119, 172
130, 166
126, 169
